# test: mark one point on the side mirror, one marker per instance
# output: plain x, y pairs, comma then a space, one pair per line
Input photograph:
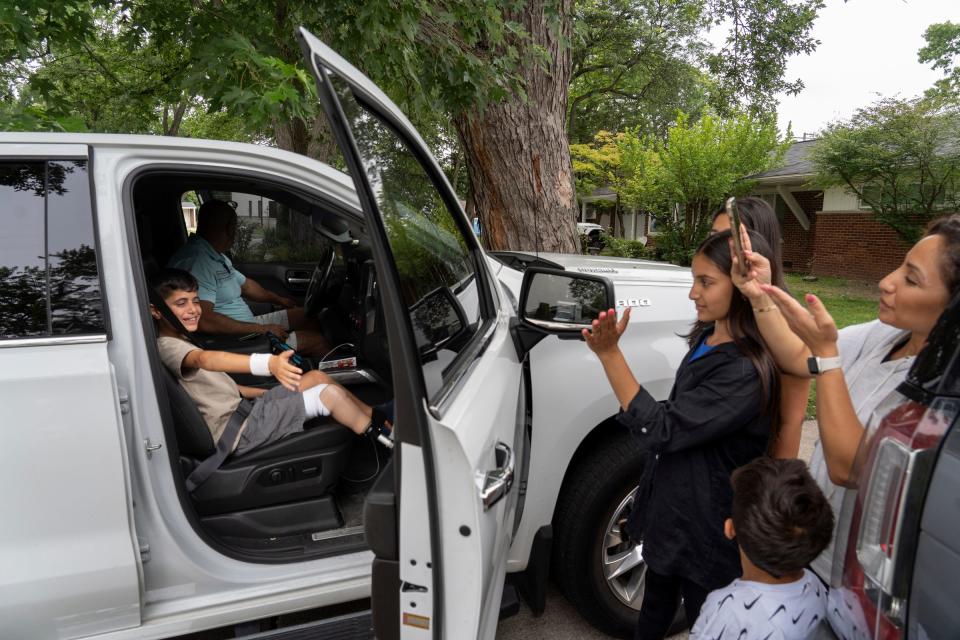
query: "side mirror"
438, 319
557, 302
330, 226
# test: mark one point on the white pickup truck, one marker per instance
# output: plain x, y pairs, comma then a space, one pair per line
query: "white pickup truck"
507, 459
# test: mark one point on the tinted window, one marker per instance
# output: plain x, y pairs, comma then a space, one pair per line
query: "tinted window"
23, 277
428, 248
271, 231
49, 284
76, 302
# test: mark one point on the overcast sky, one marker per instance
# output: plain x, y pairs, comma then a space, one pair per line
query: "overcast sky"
866, 47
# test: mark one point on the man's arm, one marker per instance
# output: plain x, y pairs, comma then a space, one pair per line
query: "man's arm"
252, 290
219, 324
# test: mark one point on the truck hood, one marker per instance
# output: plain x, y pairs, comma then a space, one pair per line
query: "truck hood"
618, 269
625, 273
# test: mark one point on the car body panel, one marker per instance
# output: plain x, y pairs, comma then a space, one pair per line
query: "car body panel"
186, 585
49, 557
932, 610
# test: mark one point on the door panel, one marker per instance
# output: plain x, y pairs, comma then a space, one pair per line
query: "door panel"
465, 404
67, 560
288, 280
481, 418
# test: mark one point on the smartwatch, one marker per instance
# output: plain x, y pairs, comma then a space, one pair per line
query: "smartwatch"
816, 365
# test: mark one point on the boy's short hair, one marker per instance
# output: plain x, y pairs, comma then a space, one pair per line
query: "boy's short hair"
166, 281
782, 519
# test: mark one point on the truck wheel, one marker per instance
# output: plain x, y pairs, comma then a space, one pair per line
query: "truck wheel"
598, 569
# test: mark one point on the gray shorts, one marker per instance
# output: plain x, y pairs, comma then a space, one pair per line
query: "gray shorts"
281, 318
277, 413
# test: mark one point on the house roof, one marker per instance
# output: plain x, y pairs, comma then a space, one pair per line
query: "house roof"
796, 164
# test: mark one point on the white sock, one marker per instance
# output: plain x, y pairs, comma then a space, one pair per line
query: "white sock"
312, 405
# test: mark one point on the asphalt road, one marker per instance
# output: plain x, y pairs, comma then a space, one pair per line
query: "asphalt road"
561, 621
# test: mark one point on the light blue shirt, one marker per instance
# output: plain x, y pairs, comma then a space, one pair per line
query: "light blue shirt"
219, 282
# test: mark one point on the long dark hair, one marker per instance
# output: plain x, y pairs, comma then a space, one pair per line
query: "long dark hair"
740, 321
948, 227
757, 215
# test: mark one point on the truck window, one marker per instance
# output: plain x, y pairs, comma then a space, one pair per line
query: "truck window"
49, 280
437, 273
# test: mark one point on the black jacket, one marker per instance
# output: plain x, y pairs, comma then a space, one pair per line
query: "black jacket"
712, 423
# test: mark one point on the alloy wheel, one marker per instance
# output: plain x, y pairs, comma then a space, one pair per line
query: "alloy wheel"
621, 558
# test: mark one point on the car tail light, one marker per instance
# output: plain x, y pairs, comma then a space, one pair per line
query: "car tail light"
894, 471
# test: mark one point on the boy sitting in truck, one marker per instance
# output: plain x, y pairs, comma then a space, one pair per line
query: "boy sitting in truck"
277, 412
781, 522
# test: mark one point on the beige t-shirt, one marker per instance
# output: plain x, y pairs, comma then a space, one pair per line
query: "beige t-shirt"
215, 393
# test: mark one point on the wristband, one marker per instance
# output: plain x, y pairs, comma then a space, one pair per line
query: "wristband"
260, 364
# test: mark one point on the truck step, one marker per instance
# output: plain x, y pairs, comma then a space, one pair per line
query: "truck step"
352, 626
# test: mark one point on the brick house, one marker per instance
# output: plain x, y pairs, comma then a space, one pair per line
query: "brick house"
826, 232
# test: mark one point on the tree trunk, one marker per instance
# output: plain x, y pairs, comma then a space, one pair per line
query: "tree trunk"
315, 141
517, 154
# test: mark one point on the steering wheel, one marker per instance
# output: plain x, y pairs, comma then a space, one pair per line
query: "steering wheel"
314, 298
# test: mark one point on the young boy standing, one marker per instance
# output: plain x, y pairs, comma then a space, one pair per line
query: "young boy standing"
781, 522
279, 411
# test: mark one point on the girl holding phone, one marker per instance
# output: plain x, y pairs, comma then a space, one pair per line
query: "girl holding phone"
756, 215
719, 416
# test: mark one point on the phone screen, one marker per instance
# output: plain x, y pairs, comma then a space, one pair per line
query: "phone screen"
734, 214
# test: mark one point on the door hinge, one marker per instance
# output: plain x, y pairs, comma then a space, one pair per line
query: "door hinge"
123, 396
144, 549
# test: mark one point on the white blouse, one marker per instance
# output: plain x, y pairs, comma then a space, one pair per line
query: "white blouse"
863, 348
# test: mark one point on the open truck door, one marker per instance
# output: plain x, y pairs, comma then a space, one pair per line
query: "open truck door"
441, 532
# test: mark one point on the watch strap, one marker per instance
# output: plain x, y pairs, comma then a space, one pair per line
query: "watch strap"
818, 365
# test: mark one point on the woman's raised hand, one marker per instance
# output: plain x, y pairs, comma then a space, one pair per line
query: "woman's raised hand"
758, 268
814, 325
605, 332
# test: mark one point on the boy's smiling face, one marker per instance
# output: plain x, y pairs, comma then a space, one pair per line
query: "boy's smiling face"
185, 306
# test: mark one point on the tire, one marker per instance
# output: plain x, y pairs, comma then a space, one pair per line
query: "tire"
587, 549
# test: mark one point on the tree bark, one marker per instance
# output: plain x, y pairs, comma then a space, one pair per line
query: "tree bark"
517, 154
315, 141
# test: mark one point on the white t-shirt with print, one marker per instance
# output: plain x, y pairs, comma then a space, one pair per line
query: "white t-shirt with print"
747, 610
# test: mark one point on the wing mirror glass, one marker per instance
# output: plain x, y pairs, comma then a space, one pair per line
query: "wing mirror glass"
438, 319
556, 301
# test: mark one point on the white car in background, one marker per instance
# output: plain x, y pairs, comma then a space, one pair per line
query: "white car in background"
507, 457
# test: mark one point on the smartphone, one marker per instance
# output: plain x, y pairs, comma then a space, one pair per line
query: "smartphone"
734, 214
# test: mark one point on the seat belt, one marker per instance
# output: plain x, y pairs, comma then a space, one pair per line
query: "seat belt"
224, 446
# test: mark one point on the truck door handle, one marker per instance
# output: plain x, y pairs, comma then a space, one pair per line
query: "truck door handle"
298, 278
493, 485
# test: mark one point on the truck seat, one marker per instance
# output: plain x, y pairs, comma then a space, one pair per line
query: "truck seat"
299, 467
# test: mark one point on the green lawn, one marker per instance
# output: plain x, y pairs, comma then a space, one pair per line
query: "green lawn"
848, 303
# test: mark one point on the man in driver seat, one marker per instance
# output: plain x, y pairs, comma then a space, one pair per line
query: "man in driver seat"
223, 288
